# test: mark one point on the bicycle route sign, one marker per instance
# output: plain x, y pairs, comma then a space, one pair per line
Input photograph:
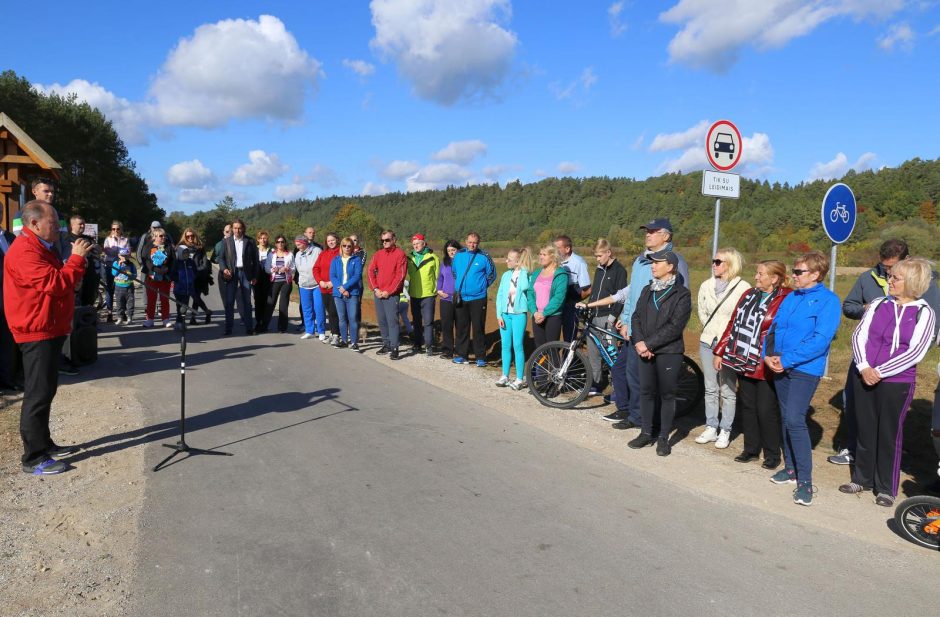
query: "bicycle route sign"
839, 213
723, 145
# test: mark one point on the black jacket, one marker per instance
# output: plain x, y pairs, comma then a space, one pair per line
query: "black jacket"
608, 281
661, 329
250, 261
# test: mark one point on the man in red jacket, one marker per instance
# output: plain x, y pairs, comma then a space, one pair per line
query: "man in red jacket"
39, 300
387, 271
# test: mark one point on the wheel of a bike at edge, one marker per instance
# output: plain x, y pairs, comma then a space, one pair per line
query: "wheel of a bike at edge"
690, 389
911, 516
548, 386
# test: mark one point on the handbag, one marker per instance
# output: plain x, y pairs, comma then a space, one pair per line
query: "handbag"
458, 299
709, 320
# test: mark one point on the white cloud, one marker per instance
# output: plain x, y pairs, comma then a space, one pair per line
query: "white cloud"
460, 152
588, 78
934, 31
206, 194
617, 25
839, 166
712, 32
683, 139
290, 192
437, 176
235, 68
638, 142
130, 119
189, 175
449, 50
371, 188
324, 176
898, 35
586, 81
359, 67
540, 173
493, 172
568, 167
399, 170
262, 167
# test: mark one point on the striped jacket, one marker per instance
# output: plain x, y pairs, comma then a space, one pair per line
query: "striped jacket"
892, 338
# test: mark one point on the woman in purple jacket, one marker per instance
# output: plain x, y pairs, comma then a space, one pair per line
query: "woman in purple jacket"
445, 291
894, 335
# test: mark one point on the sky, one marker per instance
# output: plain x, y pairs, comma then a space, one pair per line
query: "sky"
269, 101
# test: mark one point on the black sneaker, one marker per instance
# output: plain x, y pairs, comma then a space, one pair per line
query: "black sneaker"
624, 425
393, 354
354, 347
663, 448
48, 467
640, 441
65, 369
617, 416
384, 350
416, 349
447, 355
62, 450
429, 352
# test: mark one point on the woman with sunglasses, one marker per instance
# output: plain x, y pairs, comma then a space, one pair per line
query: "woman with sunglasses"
717, 298
279, 268
112, 247
158, 267
795, 351
346, 277
262, 288
192, 275
893, 337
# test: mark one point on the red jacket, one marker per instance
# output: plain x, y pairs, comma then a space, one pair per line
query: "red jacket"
321, 268
387, 270
722, 343
38, 290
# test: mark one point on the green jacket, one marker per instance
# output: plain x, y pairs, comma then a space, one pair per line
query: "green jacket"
559, 290
422, 279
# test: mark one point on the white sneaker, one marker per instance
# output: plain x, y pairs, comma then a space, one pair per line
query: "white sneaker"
724, 438
709, 434
119, 322
167, 323
503, 381
305, 336
518, 384
322, 338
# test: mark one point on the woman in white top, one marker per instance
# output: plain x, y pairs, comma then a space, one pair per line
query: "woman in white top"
717, 298
279, 267
262, 288
112, 246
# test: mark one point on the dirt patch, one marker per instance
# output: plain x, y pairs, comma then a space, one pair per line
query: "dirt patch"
68, 542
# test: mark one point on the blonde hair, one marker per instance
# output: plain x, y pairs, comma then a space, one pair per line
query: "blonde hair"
525, 257
776, 268
917, 273
735, 261
602, 245
815, 261
552, 252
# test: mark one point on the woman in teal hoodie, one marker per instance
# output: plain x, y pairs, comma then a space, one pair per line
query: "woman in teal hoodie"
511, 310
548, 286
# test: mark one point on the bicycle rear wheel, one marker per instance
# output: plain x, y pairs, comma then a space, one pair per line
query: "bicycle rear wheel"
552, 387
918, 519
691, 387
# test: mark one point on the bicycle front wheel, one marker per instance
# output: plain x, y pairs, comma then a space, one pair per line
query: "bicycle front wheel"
553, 385
691, 387
918, 519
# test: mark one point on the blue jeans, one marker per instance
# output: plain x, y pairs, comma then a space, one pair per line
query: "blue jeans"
386, 313
618, 379
795, 392
512, 337
238, 291
721, 390
348, 311
633, 382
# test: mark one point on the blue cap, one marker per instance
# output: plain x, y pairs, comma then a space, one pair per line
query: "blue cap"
657, 224
665, 255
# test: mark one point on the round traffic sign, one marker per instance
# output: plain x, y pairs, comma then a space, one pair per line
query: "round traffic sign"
839, 213
723, 145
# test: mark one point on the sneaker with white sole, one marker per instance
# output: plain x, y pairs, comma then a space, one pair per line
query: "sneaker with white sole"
724, 438
844, 457
503, 381
709, 434
167, 323
784, 476
148, 323
518, 384
803, 495
322, 338
305, 336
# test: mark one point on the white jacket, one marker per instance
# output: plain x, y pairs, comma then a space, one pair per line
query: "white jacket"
708, 300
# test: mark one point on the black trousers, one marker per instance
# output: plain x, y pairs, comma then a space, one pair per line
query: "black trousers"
329, 302
422, 319
40, 382
471, 315
760, 417
280, 295
659, 376
447, 327
548, 330
262, 291
879, 415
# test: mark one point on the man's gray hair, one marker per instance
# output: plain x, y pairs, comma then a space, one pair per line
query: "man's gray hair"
34, 210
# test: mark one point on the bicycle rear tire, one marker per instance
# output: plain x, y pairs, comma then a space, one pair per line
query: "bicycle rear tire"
690, 389
546, 383
911, 517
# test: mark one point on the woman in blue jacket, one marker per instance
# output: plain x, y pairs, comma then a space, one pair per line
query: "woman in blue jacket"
511, 311
346, 277
795, 351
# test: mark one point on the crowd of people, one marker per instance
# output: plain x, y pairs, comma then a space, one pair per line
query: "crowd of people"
762, 348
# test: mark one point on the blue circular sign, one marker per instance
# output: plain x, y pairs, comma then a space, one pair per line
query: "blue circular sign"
839, 213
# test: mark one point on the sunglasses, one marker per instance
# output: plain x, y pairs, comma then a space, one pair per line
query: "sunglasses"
115, 229
717, 262
347, 246
386, 239
799, 272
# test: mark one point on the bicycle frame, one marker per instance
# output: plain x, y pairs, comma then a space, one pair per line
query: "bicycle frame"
594, 332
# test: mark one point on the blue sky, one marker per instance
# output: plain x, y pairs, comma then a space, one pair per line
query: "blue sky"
279, 100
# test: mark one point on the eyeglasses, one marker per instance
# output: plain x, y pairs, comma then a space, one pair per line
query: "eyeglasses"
717, 262
386, 239
346, 246
894, 277
800, 272
187, 235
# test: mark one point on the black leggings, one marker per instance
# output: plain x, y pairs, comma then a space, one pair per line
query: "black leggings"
447, 327
548, 330
660, 375
330, 304
261, 291
760, 417
471, 315
280, 294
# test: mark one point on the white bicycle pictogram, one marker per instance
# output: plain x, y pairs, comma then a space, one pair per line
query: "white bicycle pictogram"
839, 211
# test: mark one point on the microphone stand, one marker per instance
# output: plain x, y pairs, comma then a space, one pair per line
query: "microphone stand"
180, 447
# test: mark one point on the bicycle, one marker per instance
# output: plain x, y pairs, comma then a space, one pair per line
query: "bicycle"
918, 520
840, 211
559, 374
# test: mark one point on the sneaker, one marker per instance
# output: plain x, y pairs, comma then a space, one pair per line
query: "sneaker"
393, 354
322, 338
481, 363
416, 349
640, 441
354, 347
784, 476
885, 500
503, 381
65, 369
851, 488
148, 323
803, 495
617, 416
724, 438
305, 336
167, 323
48, 467
624, 425
709, 434
844, 457
335, 342
429, 352
446, 355
382, 350
460, 360
518, 384
663, 448
62, 450
594, 392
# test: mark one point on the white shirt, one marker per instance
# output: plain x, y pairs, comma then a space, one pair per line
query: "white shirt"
239, 249
578, 274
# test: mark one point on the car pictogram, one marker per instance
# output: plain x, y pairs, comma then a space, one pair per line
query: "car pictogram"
724, 142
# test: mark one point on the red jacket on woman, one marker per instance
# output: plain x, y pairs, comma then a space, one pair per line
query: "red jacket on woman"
321, 268
719, 349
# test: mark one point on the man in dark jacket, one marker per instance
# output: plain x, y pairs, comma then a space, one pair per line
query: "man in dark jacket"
609, 277
238, 264
87, 295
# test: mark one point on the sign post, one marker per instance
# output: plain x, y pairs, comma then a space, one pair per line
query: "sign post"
839, 214
723, 147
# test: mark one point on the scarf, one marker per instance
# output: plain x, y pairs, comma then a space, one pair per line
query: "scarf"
742, 354
661, 284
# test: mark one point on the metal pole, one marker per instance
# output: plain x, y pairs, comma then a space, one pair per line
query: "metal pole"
832, 288
715, 235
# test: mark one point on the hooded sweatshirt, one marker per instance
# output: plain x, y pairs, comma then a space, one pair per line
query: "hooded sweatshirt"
892, 338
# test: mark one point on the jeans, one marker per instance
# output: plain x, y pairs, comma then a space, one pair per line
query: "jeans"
598, 374
329, 304
569, 320
720, 387
280, 295
347, 310
422, 316
618, 378
512, 338
124, 301
238, 291
386, 313
306, 308
405, 323
794, 393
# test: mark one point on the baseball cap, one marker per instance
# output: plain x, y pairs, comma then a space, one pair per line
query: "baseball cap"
665, 255
155, 225
418, 237
657, 224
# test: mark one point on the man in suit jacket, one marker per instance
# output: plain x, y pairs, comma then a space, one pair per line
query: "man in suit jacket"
239, 265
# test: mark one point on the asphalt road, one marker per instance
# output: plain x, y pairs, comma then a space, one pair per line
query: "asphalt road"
355, 490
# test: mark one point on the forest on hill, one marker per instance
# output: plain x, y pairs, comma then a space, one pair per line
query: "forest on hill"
769, 219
